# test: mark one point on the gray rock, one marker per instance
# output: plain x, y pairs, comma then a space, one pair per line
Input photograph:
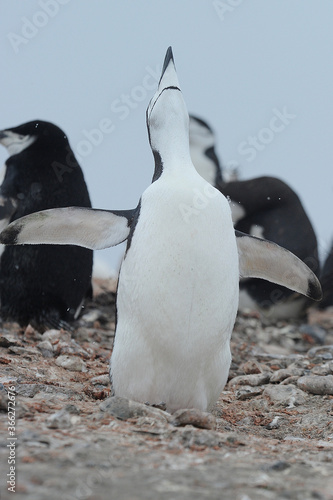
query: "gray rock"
291, 371
315, 332
189, 437
253, 380
72, 363
8, 340
286, 395
194, 417
322, 369
324, 352
46, 348
55, 336
248, 392
62, 419
101, 379
124, 409
27, 390
316, 384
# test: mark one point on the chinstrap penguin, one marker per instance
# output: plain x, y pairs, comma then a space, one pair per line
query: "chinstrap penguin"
179, 280
42, 285
266, 207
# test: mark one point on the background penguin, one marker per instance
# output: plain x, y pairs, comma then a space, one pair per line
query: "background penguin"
43, 285
264, 207
178, 285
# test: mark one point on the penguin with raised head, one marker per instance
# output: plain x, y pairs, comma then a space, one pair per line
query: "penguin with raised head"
178, 284
266, 207
42, 285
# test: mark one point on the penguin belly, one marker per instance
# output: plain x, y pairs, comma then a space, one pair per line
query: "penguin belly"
177, 301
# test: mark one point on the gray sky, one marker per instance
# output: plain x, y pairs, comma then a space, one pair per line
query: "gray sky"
88, 65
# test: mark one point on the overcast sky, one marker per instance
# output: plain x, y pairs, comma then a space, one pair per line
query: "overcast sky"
88, 65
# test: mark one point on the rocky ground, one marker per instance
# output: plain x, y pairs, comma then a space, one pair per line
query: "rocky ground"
270, 435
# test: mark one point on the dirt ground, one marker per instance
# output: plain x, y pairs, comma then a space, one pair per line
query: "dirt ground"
270, 435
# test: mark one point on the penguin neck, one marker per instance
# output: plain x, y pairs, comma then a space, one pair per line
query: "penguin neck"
173, 156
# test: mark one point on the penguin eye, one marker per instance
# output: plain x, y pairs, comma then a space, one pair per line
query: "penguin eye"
21, 137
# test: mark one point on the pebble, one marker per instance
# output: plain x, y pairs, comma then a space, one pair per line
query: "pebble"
46, 348
72, 363
250, 367
286, 395
189, 437
8, 340
55, 336
248, 392
252, 380
124, 409
274, 424
324, 352
316, 333
27, 390
62, 419
316, 384
284, 373
324, 369
194, 417
101, 379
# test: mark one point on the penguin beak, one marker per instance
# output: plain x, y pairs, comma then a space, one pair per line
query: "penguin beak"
169, 76
168, 80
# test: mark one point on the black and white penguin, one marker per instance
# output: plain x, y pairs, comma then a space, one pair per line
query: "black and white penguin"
43, 285
265, 207
179, 280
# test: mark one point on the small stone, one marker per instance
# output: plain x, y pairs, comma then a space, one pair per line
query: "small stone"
291, 371
54, 336
286, 395
280, 465
194, 417
316, 384
252, 380
248, 392
325, 369
274, 424
324, 352
313, 333
72, 363
27, 390
189, 437
101, 379
124, 409
250, 367
62, 419
290, 380
46, 348
8, 340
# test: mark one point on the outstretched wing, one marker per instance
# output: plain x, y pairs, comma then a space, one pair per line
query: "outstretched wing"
264, 259
86, 227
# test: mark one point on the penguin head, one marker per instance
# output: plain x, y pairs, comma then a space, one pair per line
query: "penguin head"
19, 138
202, 142
167, 116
